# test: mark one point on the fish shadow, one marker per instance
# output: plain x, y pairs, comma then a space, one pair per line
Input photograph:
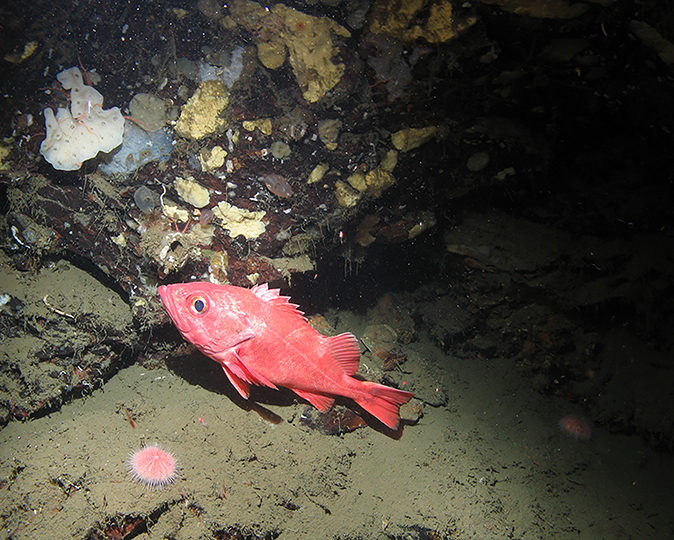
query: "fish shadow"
199, 370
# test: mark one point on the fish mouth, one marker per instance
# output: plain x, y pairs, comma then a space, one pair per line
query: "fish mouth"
168, 299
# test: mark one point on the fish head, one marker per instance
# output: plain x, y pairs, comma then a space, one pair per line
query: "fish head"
207, 315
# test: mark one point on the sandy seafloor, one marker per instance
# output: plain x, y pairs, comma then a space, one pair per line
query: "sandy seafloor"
492, 463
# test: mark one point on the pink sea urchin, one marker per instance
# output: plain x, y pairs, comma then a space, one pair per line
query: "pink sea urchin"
576, 427
153, 467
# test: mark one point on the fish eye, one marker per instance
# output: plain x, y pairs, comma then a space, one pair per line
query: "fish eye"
198, 305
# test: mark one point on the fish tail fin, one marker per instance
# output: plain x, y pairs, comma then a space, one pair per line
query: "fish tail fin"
383, 402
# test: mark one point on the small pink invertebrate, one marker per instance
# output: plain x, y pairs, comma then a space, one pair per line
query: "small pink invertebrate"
278, 185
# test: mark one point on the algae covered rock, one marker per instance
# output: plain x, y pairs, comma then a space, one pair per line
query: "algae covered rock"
191, 192
408, 20
372, 183
378, 180
272, 54
411, 138
311, 51
212, 159
306, 41
239, 221
346, 195
263, 124
200, 116
149, 111
328, 131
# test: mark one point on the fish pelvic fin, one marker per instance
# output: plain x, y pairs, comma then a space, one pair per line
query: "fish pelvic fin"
384, 402
346, 351
241, 386
320, 401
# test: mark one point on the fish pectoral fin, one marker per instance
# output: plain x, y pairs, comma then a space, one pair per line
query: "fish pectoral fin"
239, 368
321, 402
241, 386
346, 351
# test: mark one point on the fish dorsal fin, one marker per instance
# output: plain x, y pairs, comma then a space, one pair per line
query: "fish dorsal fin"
273, 296
346, 351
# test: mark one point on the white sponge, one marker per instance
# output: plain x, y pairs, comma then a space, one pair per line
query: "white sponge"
78, 134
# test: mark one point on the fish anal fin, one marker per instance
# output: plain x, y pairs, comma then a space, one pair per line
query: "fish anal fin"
273, 296
320, 401
346, 351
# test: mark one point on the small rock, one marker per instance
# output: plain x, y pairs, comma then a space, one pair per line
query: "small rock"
336, 421
412, 411
478, 161
381, 341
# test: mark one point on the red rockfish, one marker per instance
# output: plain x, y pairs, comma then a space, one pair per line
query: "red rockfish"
259, 337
